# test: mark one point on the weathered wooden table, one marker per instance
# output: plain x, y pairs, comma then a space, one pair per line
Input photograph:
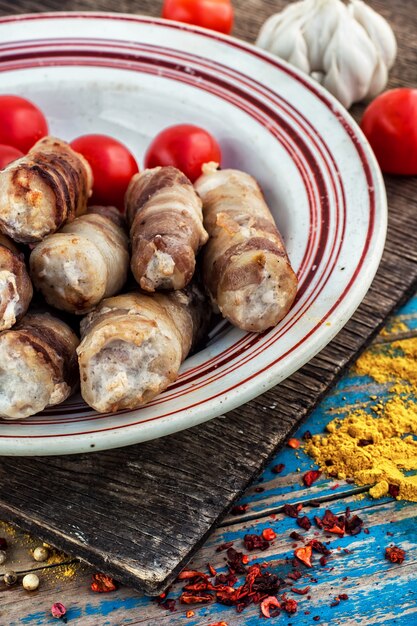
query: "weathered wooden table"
378, 592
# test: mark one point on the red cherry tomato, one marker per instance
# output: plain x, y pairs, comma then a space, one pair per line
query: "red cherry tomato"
390, 125
184, 146
214, 14
113, 166
8, 154
22, 124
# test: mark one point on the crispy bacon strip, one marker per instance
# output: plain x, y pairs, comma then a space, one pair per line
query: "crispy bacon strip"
38, 365
42, 191
15, 286
86, 261
133, 345
166, 228
245, 264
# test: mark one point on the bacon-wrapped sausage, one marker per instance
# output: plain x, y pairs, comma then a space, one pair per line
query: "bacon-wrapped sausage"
43, 190
133, 345
86, 261
15, 286
39, 365
245, 265
166, 228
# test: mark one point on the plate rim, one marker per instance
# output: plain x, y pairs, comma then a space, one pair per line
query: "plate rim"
84, 443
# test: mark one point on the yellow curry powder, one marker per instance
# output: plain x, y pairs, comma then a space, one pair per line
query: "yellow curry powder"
377, 448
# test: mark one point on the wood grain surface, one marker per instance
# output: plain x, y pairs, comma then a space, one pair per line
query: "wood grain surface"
139, 513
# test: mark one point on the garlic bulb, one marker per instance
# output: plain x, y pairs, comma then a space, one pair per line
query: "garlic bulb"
348, 48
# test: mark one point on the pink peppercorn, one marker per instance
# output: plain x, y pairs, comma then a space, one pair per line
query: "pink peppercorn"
58, 610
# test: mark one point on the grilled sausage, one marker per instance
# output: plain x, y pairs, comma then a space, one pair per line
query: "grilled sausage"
15, 286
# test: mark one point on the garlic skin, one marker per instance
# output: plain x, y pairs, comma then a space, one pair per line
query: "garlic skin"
349, 48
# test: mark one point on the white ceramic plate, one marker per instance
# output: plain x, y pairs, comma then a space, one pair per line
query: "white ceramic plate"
130, 77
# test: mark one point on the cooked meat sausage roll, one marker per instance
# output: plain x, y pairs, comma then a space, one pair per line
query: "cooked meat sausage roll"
133, 345
15, 286
38, 365
86, 261
43, 190
166, 228
245, 265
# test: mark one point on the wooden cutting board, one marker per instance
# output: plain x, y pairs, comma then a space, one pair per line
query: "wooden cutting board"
139, 513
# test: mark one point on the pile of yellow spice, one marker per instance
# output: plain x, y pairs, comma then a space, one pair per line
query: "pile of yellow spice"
377, 448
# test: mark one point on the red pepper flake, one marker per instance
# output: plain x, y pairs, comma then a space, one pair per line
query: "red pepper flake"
295, 575
188, 597
366, 531
353, 525
239, 509
334, 487
294, 443
307, 435
292, 510
301, 592
344, 596
189, 574
277, 469
310, 477
296, 536
103, 584
3, 543
271, 602
256, 542
319, 547
393, 490
335, 602
224, 546
395, 554
304, 555
190, 614
245, 559
290, 606
318, 522
235, 561
316, 618
211, 570
268, 534
323, 561
304, 522
58, 610
219, 624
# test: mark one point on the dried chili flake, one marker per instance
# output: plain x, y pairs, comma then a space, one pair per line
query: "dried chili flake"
353, 525
304, 555
344, 596
226, 579
270, 603
189, 574
323, 561
310, 477
295, 575
294, 443
277, 469
203, 586
296, 536
319, 547
190, 614
395, 555
224, 546
219, 624
316, 618
318, 522
290, 606
307, 435
333, 524
103, 584
268, 534
235, 561
304, 522
291, 510
188, 597
239, 509
255, 542
335, 602
301, 592
393, 490
211, 570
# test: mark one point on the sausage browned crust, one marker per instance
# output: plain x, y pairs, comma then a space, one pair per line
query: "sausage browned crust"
245, 264
43, 190
38, 365
86, 261
166, 228
133, 345
15, 286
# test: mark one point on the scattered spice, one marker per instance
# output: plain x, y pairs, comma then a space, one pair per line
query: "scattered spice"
190, 614
103, 584
395, 554
188, 597
304, 555
58, 610
301, 592
290, 606
316, 618
277, 469
268, 534
224, 546
211, 570
310, 477
296, 536
319, 547
294, 443
239, 509
378, 448
292, 510
219, 624
304, 522
271, 602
